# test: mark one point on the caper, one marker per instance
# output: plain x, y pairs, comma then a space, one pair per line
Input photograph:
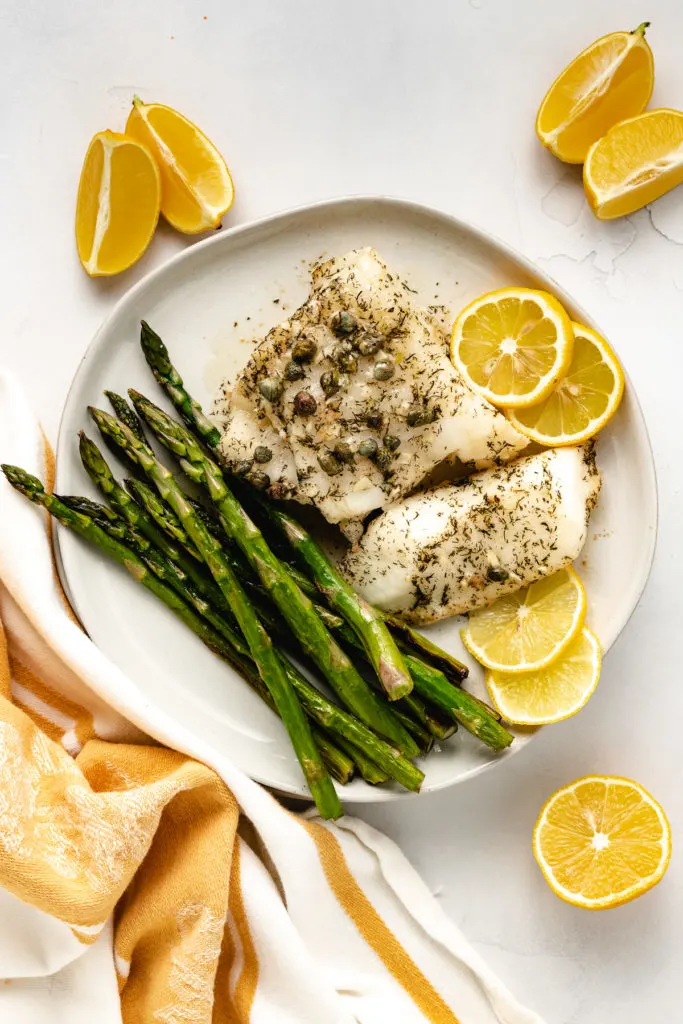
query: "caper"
343, 451
417, 416
260, 480
368, 448
293, 371
329, 382
347, 362
242, 467
304, 403
271, 389
262, 454
343, 323
392, 442
369, 344
384, 370
330, 463
383, 458
303, 350
373, 417
497, 574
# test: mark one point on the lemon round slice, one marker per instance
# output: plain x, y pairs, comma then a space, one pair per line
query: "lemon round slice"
550, 694
512, 345
635, 163
610, 80
118, 204
582, 402
196, 185
602, 841
526, 631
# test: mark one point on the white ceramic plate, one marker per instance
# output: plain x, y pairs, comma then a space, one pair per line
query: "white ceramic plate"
209, 303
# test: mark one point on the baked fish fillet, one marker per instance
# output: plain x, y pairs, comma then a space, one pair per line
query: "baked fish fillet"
461, 546
356, 399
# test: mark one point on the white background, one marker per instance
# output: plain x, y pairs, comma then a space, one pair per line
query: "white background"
433, 101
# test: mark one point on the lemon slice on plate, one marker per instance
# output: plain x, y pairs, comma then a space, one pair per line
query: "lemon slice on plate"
550, 694
512, 345
196, 185
582, 402
118, 204
610, 80
527, 630
601, 842
635, 163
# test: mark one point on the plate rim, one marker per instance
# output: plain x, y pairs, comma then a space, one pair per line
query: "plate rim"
226, 237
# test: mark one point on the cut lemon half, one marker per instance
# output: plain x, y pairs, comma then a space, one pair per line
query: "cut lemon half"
118, 204
635, 163
611, 80
582, 402
526, 631
196, 185
552, 693
512, 345
602, 841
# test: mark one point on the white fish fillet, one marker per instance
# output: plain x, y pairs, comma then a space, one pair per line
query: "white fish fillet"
455, 421
459, 547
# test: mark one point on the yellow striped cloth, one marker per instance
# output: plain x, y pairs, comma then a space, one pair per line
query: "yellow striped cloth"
140, 883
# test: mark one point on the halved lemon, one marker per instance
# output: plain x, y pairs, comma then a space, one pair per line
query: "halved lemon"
512, 345
582, 402
527, 630
552, 693
602, 841
610, 80
196, 185
635, 163
118, 204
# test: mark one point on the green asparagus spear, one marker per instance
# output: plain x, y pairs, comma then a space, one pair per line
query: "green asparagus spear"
297, 609
365, 620
468, 711
159, 362
124, 412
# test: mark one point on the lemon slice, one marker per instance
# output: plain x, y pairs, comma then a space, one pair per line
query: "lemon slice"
118, 204
635, 163
512, 345
582, 402
526, 631
610, 80
552, 693
196, 185
601, 842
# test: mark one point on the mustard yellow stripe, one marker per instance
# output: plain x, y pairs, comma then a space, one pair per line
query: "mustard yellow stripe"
85, 940
245, 987
374, 930
51, 730
223, 1007
5, 677
84, 728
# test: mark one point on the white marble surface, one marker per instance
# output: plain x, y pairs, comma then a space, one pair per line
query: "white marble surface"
434, 101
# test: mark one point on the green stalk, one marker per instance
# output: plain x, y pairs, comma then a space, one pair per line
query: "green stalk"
460, 705
367, 622
161, 366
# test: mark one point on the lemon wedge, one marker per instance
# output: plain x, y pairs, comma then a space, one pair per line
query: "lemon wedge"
528, 630
197, 189
635, 163
582, 402
602, 841
117, 209
551, 694
610, 80
512, 345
